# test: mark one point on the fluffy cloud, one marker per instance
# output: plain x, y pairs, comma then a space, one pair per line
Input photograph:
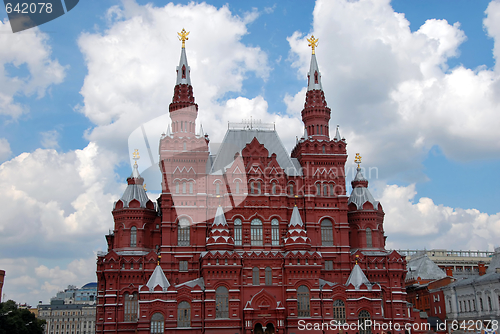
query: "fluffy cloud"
5, 151
29, 50
132, 68
410, 225
391, 91
62, 199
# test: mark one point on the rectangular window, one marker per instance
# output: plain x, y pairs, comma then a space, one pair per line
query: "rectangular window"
256, 232
237, 235
183, 266
328, 265
275, 231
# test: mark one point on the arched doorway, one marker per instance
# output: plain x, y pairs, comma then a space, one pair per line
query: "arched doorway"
268, 329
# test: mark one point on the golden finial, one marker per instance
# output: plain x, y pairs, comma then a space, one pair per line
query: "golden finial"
136, 156
159, 257
357, 159
144, 187
357, 258
313, 43
183, 36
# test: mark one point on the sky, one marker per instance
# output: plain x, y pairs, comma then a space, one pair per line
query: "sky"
414, 87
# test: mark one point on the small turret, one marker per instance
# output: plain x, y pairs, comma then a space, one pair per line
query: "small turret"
220, 238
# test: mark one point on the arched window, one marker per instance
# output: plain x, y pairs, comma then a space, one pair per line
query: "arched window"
237, 188
183, 232
183, 187
290, 188
321, 132
324, 148
331, 189
363, 317
303, 301
275, 232
318, 189
369, 237
130, 306
481, 304
255, 276
237, 232
191, 185
157, 324
133, 236
256, 232
221, 302
325, 190
217, 188
184, 314
326, 232
339, 311
184, 146
176, 187
317, 129
269, 276
255, 188
273, 188
489, 303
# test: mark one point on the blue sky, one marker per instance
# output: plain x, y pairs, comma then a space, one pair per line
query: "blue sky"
415, 93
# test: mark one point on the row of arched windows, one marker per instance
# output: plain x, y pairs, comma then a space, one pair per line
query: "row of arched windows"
256, 234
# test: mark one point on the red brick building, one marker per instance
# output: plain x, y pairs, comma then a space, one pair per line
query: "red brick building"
249, 239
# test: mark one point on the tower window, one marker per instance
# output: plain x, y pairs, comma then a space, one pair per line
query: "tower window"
290, 188
326, 233
184, 314
321, 131
237, 189
217, 188
176, 187
275, 232
237, 232
191, 187
364, 317
133, 236
269, 276
183, 266
255, 276
256, 232
317, 129
303, 301
369, 237
183, 232
273, 188
318, 189
130, 305
324, 149
157, 324
316, 77
183, 71
331, 189
339, 310
183, 187
221, 302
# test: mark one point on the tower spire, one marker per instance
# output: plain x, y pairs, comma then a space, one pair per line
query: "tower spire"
183, 109
316, 113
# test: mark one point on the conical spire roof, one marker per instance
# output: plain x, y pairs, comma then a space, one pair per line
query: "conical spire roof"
358, 277
314, 75
158, 278
219, 237
135, 189
360, 193
296, 238
337, 135
183, 70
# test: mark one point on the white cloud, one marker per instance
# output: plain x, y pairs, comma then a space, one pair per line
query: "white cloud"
62, 199
391, 91
411, 225
29, 50
5, 151
50, 139
132, 67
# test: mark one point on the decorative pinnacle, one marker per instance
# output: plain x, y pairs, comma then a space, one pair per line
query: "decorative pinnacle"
183, 37
159, 257
313, 43
357, 159
357, 258
136, 156
144, 187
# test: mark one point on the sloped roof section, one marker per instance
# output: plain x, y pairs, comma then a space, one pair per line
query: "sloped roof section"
423, 267
158, 278
495, 262
360, 193
198, 281
135, 190
357, 278
236, 140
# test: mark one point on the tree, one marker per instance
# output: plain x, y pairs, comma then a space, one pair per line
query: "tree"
18, 321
